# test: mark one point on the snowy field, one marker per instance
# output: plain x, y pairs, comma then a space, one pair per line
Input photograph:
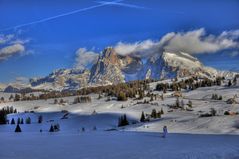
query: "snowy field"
190, 136
118, 145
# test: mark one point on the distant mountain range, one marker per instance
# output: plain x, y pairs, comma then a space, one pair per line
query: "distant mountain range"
112, 68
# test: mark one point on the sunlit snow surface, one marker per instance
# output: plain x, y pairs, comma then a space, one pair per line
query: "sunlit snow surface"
189, 136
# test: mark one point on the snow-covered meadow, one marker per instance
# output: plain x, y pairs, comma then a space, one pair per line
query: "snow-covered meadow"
190, 136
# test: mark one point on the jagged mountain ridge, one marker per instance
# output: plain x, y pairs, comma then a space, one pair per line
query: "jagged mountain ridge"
112, 68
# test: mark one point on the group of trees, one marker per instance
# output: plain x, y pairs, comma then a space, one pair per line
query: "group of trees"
123, 121
189, 84
82, 99
216, 97
122, 91
21, 121
212, 112
54, 128
154, 114
181, 105
27, 121
4, 112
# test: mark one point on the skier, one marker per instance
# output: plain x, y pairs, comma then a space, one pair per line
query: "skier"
165, 131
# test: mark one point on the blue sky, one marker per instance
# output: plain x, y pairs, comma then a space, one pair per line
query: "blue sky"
52, 44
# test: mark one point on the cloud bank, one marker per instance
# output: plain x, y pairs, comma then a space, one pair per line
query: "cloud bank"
10, 51
193, 42
11, 46
85, 58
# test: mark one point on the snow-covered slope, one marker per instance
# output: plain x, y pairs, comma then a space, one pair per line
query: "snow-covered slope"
190, 136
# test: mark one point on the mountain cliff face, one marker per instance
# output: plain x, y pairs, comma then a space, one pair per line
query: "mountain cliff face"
112, 68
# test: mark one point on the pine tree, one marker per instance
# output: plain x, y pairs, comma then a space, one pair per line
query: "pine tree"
28, 120
13, 121
229, 83
51, 129
142, 118
154, 113
125, 120
40, 118
18, 129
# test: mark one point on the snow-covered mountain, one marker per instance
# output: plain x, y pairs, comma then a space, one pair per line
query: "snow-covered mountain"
112, 68
179, 64
62, 79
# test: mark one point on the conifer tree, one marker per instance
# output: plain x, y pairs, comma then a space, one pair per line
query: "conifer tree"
51, 129
18, 129
154, 113
40, 118
229, 83
28, 120
13, 121
142, 118
125, 120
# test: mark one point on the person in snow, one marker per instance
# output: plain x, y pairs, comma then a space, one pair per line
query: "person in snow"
165, 131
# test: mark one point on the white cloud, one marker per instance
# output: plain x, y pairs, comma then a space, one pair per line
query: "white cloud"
139, 49
11, 45
11, 50
198, 41
85, 58
193, 42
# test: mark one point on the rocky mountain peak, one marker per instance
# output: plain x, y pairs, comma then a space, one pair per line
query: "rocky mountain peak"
112, 68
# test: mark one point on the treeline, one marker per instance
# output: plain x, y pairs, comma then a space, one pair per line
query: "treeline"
121, 91
189, 84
